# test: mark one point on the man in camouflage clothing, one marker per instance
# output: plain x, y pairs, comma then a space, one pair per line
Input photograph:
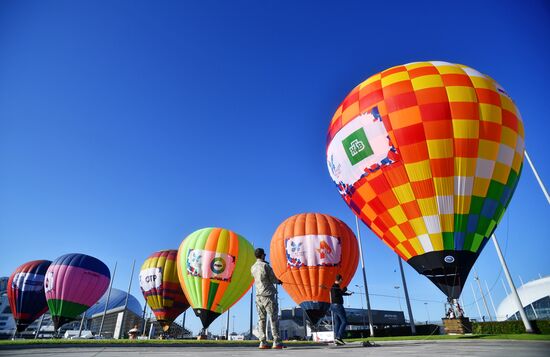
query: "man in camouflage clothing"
266, 299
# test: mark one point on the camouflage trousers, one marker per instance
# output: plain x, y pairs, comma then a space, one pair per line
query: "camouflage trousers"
267, 306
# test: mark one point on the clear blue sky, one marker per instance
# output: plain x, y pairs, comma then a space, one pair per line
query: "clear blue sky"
127, 125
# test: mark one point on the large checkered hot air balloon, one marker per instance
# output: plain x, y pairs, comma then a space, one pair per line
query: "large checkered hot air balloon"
214, 271
161, 288
428, 155
307, 251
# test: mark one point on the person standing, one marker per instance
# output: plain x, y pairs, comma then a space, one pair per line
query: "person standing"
337, 294
266, 299
132, 334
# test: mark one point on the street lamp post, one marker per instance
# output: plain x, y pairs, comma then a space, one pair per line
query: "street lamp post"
427, 312
396, 287
362, 308
369, 312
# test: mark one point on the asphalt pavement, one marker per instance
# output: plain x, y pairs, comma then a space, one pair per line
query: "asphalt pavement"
470, 348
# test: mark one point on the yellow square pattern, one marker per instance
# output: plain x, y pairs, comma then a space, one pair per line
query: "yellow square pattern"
462, 204
417, 246
401, 249
489, 112
397, 214
444, 186
466, 129
481, 185
501, 173
395, 77
428, 206
509, 137
398, 234
437, 241
450, 70
404, 193
440, 148
482, 82
465, 166
447, 222
429, 81
488, 149
461, 94
419, 171
418, 226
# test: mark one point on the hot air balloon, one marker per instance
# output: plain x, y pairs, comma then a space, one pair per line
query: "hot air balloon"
428, 155
26, 293
214, 271
306, 252
73, 283
160, 286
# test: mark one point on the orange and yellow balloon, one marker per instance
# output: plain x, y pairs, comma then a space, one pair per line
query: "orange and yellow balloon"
428, 155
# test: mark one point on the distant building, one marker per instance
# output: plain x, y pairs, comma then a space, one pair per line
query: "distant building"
118, 321
535, 297
7, 323
291, 323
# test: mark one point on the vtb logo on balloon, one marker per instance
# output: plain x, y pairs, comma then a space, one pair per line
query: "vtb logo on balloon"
312, 251
365, 141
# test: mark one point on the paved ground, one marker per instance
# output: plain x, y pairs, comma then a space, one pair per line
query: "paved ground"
468, 348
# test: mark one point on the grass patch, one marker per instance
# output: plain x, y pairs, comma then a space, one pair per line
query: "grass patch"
517, 337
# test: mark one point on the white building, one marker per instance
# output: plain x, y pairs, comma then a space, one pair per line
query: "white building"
535, 297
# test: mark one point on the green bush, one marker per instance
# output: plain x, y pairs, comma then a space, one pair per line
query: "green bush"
509, 327
543, 326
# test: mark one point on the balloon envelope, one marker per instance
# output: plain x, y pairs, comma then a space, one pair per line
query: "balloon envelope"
428, 155
73, 283
26, 292
307, 251
161, 288
214, 270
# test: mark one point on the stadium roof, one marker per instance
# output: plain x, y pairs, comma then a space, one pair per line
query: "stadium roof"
116, 300
528, 294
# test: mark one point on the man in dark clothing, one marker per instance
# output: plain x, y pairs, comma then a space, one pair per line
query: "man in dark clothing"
337, 294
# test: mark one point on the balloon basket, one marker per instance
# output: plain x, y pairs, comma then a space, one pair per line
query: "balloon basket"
202, 337
457, 326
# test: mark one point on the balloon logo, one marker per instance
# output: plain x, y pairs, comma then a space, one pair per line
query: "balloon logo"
214, 271
26, 293
428, 155
307, 251
160, 286
74, 282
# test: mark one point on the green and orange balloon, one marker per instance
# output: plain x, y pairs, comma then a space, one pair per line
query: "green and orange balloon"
214, 271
